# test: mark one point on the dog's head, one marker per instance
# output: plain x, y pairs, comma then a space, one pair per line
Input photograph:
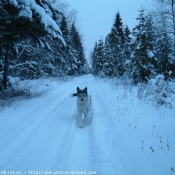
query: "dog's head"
82, 94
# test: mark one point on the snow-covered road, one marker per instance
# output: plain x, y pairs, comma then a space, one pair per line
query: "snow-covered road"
41, 135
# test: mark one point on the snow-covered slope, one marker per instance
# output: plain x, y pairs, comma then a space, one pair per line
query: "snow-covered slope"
126, 135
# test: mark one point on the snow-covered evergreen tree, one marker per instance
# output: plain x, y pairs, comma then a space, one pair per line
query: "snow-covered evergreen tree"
79, 63
100, 58
25, 20
142, 61
108, 67
37, 48
115, 52
163, 56
164, 21
127, 51
117, 39
94, 60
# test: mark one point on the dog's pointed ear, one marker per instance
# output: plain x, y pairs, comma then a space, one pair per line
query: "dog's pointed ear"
78, 89
85, 89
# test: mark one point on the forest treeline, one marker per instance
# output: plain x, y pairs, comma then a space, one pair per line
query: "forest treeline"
141, 54
39, 38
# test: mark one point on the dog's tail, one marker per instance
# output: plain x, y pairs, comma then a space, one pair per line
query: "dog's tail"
74, 95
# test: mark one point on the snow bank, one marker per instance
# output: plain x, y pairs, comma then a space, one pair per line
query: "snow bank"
158, 91
131, 136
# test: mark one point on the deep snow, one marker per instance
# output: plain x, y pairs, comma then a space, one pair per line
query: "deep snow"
127, 135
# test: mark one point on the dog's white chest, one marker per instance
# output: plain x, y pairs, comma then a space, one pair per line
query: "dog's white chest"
83, 105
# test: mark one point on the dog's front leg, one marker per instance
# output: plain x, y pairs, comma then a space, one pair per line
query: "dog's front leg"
80, 119
87, 117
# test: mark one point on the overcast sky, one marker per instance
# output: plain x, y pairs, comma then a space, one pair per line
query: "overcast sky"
96, 17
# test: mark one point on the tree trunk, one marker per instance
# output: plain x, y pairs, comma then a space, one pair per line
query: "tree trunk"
6, 65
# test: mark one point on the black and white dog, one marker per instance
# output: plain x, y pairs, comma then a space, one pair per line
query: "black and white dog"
83, 107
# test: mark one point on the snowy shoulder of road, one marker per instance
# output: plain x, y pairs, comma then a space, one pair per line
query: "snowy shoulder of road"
127, 134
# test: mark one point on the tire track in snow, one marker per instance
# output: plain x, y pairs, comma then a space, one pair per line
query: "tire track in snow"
21, 144
48, 148
105, 146
80, 155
